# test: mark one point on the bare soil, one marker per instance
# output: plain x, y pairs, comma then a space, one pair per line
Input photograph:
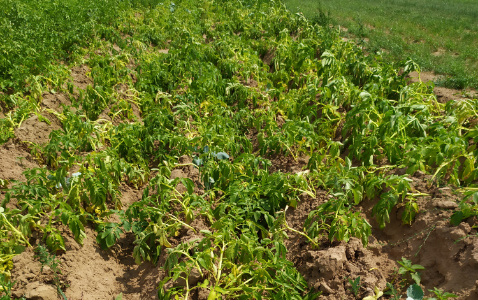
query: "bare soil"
37, 130
14, 159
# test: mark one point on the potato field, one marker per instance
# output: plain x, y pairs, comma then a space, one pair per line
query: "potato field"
224, 149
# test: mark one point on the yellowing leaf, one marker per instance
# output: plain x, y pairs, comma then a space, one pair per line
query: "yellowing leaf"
378, 294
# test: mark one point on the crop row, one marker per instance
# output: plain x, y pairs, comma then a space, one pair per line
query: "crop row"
241, 83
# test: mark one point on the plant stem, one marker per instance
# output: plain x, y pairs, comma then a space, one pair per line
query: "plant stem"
296, 231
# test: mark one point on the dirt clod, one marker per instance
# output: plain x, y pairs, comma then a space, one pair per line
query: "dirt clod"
39, 291
446, 204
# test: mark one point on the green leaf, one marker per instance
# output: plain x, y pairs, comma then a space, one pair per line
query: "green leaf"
126, 225
357, 196
206, 232
204, 284
77, 229
475, 198
414, 292
456, 218
365, 95
189, 185
220, 290
17, 249
110, 239
416, 277
468, 169
55, 242
418, 267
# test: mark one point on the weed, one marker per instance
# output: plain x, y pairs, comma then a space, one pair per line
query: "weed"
47, 259
408, 268
20, 160
392, 292
355, 286
441, 295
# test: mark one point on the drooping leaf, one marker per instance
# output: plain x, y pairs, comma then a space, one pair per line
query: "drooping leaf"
416, 277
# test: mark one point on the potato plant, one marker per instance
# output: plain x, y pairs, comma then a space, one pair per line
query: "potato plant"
225, 91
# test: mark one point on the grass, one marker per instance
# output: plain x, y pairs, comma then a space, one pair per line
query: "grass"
442, 36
